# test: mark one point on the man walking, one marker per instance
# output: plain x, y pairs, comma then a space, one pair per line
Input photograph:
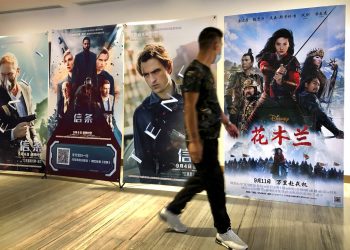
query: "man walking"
203, 117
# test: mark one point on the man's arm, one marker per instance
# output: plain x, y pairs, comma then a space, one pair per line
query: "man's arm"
230, 127
195, 147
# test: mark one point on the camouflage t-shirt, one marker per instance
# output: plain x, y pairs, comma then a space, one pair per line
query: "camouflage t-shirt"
198, 78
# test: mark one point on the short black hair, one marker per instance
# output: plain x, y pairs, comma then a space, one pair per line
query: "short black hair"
250, 54
208, 36
86, 38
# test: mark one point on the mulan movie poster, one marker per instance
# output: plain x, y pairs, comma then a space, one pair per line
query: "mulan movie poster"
23, 102
284, 90
156, 56
86, 102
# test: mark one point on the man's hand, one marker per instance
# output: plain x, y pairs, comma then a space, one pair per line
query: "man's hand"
232, 130
20, 130
195, 148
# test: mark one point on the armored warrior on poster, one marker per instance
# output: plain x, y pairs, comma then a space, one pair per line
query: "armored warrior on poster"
233, 93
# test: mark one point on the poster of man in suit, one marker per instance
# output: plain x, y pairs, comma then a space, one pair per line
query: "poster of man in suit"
23, 102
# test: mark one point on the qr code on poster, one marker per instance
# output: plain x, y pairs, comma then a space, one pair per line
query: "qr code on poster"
337, 199
63, 156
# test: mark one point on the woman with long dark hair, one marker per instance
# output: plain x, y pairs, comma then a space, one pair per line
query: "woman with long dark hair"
281, 78
278, 65
312, 67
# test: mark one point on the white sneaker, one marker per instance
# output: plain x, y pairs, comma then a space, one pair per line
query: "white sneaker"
230, 240
173, 221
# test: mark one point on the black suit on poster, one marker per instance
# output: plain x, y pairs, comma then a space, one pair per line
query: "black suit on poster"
84, 66
5, 136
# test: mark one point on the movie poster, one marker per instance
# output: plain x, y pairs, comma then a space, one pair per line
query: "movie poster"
23, 97
284, 89
155, 143
86, 102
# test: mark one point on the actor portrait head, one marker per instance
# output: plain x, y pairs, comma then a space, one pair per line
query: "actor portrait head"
313, 60
9, 71
68, 60
155, 65
101, 60
281, 42
312, 85
104, 88
210, 43
247, 60
66, 90
86, 43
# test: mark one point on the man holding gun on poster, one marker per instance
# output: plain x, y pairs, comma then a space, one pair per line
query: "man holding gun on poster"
16, 104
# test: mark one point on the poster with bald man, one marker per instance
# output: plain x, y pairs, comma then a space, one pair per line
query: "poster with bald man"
284, 90
23, 102
156, 56
85, 102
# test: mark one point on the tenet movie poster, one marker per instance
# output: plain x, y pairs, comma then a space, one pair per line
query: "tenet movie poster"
284, 90
86, 102
156, 57
23, 96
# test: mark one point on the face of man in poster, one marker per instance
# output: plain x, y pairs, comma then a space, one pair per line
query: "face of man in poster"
246, 62
248, 91
86, 45
281, 46
8, 75
68, 62
101, 62
104, 90
313, 86
157, 77
66, 89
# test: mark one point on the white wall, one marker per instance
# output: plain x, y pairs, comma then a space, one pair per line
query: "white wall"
147, 10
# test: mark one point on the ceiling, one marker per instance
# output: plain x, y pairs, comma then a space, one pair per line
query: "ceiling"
17, 6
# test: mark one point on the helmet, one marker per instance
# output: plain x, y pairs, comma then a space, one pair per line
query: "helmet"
250, 83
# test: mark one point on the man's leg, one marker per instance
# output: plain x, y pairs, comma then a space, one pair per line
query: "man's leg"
214, 184
192, 187
213, 179
170, 214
